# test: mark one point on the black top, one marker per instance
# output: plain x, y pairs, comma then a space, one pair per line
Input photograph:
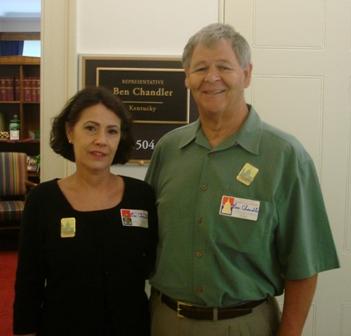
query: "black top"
91, 283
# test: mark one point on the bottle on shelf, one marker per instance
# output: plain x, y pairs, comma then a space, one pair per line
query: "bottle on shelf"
14, 128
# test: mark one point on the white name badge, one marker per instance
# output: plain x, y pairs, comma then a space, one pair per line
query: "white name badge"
239, 208
135, 218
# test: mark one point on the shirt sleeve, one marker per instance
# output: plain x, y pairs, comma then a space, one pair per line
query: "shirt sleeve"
153, 236
304, 239
153, 170
30, 277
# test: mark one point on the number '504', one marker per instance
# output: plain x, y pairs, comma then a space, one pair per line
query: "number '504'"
145, 144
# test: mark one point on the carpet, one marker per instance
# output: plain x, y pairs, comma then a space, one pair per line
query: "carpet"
8, 263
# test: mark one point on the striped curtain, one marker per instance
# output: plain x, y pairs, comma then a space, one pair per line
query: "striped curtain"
13, 173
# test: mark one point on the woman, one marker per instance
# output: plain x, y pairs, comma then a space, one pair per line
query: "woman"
88, 240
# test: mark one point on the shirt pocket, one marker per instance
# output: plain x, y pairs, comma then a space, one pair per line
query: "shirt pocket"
244, 235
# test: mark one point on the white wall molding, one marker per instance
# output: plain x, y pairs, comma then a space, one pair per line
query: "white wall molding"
58, 75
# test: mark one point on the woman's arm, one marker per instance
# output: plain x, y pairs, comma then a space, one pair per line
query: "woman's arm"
30, 278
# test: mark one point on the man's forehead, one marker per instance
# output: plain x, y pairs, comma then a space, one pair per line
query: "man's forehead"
220, 50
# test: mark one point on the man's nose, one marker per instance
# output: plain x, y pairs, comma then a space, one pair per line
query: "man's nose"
212, 74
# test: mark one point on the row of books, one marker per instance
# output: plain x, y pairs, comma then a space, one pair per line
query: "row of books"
31, 89
10, 89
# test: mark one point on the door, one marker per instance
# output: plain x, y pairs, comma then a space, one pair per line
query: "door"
302, 84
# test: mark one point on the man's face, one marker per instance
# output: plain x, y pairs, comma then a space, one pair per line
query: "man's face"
216, 79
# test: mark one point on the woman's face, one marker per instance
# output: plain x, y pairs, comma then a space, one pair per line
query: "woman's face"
95, 138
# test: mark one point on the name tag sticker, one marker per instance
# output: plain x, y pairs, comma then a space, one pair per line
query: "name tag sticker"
239, 208
134, 218
68, 227
247, 174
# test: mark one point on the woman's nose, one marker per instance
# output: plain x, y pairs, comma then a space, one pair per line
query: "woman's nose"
100, 137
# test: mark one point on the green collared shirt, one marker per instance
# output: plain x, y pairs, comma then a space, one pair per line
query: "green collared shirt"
208, 254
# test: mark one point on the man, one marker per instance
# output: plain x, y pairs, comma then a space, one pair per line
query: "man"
241, 214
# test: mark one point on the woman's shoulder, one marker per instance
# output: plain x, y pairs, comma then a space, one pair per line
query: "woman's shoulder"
44, 188
137, 185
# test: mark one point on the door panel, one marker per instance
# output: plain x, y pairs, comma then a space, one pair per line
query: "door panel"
302, 84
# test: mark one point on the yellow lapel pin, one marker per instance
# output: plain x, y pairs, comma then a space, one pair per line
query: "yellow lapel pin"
68, 227
247, 174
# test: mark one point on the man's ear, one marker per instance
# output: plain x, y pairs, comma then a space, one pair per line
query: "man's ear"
186, 81
248, 75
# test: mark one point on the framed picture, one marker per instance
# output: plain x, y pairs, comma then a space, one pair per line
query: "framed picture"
153, 90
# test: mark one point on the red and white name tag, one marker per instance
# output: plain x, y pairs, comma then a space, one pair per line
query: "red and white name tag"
135, 218
239, 208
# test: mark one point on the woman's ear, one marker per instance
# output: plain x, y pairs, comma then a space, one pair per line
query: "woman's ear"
68, 133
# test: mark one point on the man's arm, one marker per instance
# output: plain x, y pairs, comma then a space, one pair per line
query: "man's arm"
298, 296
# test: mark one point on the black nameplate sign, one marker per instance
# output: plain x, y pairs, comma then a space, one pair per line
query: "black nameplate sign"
152, 89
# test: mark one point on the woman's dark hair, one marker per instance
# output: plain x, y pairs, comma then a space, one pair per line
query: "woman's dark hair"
70, 115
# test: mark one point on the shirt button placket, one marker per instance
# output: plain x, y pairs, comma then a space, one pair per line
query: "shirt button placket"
200, 289
204, 187
200, 237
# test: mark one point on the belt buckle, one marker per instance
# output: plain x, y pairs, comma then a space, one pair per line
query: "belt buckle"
179, 303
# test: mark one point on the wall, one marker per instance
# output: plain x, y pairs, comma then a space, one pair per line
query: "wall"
150, 27
20, 24
58, 75
134, 27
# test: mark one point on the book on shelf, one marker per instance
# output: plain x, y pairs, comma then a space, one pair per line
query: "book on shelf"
31, 90
8, 88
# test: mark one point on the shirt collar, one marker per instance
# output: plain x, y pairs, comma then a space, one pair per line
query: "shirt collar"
190, 133
248, 136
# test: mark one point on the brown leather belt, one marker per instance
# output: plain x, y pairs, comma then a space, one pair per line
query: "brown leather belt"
188, 310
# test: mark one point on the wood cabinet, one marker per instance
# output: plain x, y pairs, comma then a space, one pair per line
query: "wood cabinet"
20, 94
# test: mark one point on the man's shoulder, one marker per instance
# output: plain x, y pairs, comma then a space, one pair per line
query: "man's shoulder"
279, 137
284, 142
176, 135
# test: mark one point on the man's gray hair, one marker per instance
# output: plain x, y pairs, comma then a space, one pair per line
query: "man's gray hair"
211, 34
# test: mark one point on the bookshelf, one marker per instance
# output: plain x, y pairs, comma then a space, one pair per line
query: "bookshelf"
20, 94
